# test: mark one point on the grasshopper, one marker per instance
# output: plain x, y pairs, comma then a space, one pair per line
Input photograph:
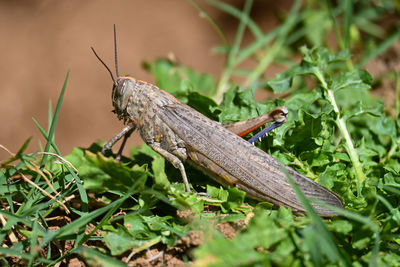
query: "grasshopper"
181, 134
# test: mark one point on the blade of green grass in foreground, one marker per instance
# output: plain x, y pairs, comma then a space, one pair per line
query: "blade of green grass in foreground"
46, 136
364, 221
326, 244
55, 120
80, 223
50, 138
17, 155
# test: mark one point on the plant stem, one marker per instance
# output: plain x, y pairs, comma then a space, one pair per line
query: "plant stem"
207, 16
341, 123
232, 53
397, 93
277, 46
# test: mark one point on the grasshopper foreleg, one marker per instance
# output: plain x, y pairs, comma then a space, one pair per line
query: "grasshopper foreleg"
126, 136
126, 132
174, 160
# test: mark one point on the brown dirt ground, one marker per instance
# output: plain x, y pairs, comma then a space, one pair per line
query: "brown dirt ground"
44, 39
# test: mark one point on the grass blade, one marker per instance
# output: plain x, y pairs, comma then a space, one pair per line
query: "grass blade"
55, 120
231, 10
31, 200
233, 51
46, 136
389, 41
327, 243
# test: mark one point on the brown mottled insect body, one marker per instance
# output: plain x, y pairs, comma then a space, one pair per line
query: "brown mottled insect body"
179, 133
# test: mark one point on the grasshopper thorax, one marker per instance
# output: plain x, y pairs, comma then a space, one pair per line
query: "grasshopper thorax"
122, 90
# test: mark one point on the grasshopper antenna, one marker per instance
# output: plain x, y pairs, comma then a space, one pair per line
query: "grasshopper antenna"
104, 64
115, 49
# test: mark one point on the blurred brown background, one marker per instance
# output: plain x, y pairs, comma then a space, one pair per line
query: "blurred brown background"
42, 40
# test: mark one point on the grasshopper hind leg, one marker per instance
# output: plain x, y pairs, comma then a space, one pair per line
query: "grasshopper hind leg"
277, 115
174, 161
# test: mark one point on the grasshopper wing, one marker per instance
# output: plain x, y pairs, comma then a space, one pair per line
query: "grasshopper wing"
232, 160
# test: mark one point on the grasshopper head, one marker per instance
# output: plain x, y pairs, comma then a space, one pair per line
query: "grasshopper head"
122, 90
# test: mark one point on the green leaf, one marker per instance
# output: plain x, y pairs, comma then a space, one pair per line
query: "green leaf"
160, 178
331, 174
118, 242
262, 233
341, 226
203, 104
179, 80
317, 26
102, 174
282, 83
321, 57
239, 104
353, 80
218, 193
362, 109
306, 129
136, 226
93, 257
54, 121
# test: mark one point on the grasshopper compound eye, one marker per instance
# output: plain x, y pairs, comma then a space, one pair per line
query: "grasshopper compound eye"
119, 87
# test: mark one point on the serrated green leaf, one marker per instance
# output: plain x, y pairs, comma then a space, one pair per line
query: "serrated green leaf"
203, 104
282, 82
180, 80
102, 174
118, 242
340, 226
361, 243
362, 109
136, 227
218, 193
239, 104
321, 57
306, 129
356, 79
331, 174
